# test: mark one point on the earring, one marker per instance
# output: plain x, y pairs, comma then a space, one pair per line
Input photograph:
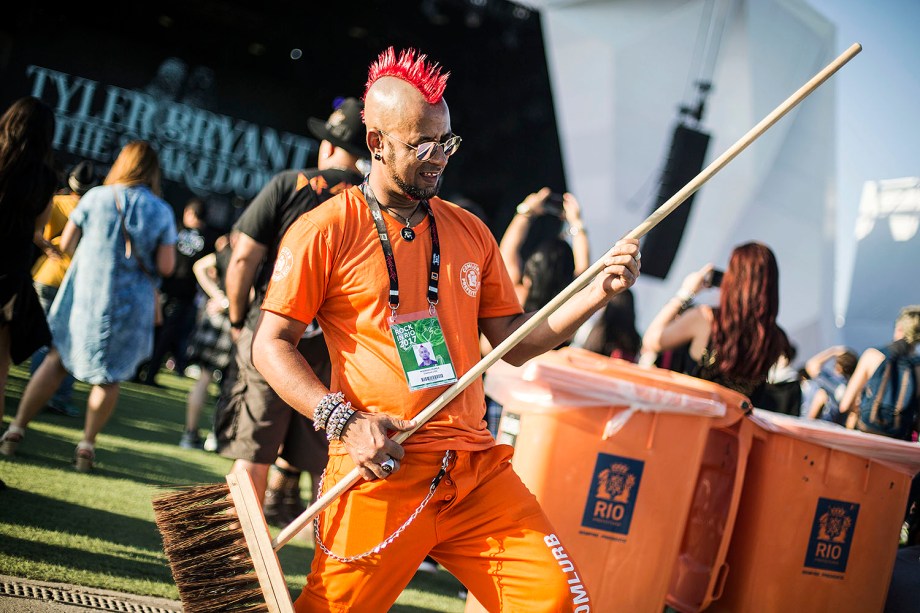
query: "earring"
377, 157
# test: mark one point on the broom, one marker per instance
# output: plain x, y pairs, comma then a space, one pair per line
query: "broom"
216, 538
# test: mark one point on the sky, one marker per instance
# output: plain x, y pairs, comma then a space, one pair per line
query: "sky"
878, 104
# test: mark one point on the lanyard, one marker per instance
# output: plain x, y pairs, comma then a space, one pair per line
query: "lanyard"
433, 269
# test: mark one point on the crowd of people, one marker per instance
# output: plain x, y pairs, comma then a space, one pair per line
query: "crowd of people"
340, 304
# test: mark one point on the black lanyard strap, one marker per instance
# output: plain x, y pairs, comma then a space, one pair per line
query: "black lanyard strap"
435, 266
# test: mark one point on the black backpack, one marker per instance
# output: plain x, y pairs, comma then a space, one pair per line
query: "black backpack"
889, 402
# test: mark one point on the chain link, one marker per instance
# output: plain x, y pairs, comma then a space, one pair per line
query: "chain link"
388, 540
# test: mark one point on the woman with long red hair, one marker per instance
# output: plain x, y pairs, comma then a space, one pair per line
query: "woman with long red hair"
736, 343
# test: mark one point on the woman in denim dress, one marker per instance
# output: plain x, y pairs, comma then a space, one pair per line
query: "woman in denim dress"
102, 318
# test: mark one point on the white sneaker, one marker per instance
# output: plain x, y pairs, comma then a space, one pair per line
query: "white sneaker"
210, 443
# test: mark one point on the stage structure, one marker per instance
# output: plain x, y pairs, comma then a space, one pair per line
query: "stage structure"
884, 274
621, 70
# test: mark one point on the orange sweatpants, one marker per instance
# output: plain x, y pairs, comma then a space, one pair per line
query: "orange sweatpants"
482, 525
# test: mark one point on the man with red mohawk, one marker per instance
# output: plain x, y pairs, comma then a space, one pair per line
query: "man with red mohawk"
370, 265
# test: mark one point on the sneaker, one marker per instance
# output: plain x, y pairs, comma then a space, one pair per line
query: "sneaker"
190, 440
67, 409
210, 443
428, 565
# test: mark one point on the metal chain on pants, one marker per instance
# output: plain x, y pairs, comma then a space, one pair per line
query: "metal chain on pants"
388, 540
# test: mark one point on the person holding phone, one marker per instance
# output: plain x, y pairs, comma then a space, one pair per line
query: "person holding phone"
538, 258
736, 343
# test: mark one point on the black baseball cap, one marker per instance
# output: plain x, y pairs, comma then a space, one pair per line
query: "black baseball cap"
82, 178
344, 128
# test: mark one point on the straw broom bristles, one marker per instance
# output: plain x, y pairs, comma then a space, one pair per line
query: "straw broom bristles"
207, 552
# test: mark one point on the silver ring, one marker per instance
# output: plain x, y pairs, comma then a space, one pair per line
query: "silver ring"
388, 465
638, 256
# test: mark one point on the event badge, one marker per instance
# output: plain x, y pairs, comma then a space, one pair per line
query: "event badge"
422, 350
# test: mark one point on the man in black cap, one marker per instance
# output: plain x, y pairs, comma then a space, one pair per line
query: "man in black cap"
253, 425
48, 271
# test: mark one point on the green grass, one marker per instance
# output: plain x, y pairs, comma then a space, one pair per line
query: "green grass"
97, 529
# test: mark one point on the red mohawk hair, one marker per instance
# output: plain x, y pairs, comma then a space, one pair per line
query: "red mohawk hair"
412, 68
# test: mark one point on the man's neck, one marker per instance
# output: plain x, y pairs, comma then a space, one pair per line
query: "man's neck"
389, 198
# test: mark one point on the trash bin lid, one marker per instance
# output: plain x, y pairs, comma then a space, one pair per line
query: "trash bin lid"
572, 379
899, 455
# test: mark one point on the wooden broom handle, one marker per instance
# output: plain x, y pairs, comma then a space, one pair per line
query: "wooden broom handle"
573, 288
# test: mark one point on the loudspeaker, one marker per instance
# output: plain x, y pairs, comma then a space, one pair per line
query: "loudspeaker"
685, 160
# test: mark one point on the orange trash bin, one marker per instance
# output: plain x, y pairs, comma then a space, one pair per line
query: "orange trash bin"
819, 520
645, 510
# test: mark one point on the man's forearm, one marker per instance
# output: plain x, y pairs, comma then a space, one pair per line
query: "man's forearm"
239, 280
288, 373
559, 327
248, 255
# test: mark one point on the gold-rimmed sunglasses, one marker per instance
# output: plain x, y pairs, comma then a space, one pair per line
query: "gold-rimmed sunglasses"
424, 151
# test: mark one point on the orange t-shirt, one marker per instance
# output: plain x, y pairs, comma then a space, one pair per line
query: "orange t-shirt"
331, 266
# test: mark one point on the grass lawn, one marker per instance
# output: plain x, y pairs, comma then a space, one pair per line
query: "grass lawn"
97, 529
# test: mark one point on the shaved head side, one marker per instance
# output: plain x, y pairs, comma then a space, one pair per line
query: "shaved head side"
393, 104
413, 68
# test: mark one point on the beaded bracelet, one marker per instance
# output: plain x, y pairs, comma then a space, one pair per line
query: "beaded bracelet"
340, 417
325, 408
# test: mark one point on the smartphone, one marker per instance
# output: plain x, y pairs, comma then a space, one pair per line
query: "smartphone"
553, 205
713, 278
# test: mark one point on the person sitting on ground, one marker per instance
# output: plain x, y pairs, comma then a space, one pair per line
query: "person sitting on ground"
828, 373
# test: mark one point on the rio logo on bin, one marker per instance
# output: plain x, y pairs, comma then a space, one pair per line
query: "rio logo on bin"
831, 535
612, 497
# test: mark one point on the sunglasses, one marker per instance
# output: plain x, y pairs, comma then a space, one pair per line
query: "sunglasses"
424, 151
